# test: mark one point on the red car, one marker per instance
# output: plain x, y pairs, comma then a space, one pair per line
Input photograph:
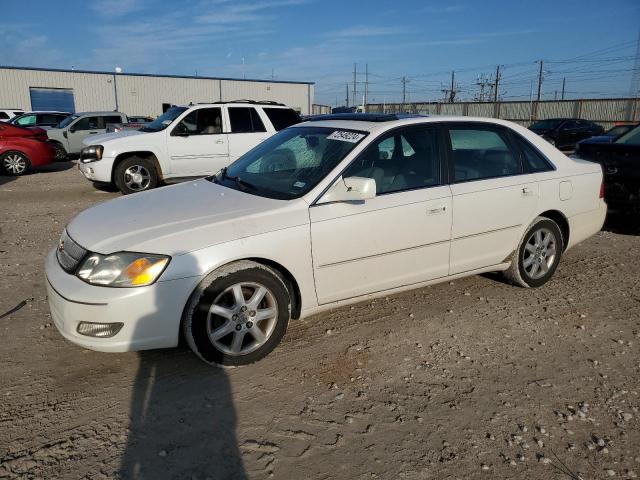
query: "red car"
22, 149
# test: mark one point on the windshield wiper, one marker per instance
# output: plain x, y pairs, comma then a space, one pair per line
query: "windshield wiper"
238, 181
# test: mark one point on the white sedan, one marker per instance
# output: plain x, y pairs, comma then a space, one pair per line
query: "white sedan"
325, 213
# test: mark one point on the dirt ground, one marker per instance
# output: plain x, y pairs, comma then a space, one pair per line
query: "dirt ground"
469, 379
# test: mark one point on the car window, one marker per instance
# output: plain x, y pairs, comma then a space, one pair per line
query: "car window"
203, 121
535, 161
570, 125
291, 162
18, 113
26, 120
88, 123
48, 119
282, 118
403, 160
630, 138
113, 119
245, 120
481, 153
3, 116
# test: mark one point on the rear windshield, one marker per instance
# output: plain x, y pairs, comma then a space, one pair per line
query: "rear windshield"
630, 138
282, 118
164, 120
545, 124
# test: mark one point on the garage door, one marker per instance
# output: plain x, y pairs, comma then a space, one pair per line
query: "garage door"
58, 99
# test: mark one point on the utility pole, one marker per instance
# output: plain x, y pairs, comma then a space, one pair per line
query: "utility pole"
563, 80
347, 99
366, 87
355, 91
497, 82
539, 80
555, 95
404, 90
452, 93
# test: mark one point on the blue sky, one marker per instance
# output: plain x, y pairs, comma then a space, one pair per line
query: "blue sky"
591, 43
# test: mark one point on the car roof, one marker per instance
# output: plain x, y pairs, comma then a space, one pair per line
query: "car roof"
46, 111
381, 122
240, 103
80, 114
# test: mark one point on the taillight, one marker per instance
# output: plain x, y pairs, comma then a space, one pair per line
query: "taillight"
602, 189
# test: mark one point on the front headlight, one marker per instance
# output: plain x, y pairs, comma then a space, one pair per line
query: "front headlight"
92, 153
122, 269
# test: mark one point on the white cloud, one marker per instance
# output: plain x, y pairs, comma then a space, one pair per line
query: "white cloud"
116, 8
365, 31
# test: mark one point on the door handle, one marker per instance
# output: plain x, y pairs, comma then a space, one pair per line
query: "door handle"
92, 133
219, 142
437, 210
527, 191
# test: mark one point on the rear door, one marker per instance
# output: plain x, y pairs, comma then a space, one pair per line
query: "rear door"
493, 199
197, 144
247, 130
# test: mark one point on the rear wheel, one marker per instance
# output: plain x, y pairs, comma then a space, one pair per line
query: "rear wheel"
60, 152
237, 315
15, 163
135, 174
537, 257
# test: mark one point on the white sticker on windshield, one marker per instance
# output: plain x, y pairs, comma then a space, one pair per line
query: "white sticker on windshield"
299, 184
167, 122
343, 136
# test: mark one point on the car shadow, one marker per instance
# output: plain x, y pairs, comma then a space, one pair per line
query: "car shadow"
182, 414
624, 224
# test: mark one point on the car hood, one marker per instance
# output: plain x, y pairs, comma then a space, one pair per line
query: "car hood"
106, 137
182, 218
540, 131
599, 139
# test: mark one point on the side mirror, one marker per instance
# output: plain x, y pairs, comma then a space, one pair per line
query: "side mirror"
180, 131
350, 189
72, 130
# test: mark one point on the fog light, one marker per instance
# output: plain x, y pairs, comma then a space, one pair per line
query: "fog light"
100, 330
90, 171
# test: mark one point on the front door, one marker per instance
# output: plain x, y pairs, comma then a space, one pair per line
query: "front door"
247, 130
400, 237
197, 145
81, 129
493, 200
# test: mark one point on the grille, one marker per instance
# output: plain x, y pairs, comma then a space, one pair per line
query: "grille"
69, 253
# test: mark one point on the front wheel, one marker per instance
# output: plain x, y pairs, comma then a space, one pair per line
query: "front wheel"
237, 315
537, 257
15, 163
60, 153
135, 174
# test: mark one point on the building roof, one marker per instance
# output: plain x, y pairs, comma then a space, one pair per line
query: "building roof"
190, 77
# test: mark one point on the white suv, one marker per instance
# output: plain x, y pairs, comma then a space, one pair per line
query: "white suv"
184, 142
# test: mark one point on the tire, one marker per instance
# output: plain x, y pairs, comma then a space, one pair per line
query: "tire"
221, 327
15, 163
60, 153
533, 264
135, 174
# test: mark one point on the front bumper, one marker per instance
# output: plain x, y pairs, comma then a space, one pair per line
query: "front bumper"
98, 171
151, 315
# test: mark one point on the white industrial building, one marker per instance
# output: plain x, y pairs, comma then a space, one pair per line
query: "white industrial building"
136, 94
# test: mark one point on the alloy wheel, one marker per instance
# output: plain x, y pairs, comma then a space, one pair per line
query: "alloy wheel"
242, 318
539, 253
137, 178
15, 163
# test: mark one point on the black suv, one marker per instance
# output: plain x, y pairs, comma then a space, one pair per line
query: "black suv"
565, 133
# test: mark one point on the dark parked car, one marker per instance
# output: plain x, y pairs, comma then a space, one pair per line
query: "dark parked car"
611, 135
620, 162
39, 119
565, 133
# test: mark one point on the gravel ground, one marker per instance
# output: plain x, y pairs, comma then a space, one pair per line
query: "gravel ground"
469, 379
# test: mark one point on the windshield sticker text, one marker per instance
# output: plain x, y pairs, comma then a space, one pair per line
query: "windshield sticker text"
343, 136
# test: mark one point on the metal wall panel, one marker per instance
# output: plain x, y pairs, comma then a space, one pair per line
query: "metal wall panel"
480, 109
145, 95
515, 110
452, 109
556, 110
91, 91
295, 95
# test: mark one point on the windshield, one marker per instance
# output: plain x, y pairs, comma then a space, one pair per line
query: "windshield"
545, 124
164, 120
67, 121
630, 138
290, 163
